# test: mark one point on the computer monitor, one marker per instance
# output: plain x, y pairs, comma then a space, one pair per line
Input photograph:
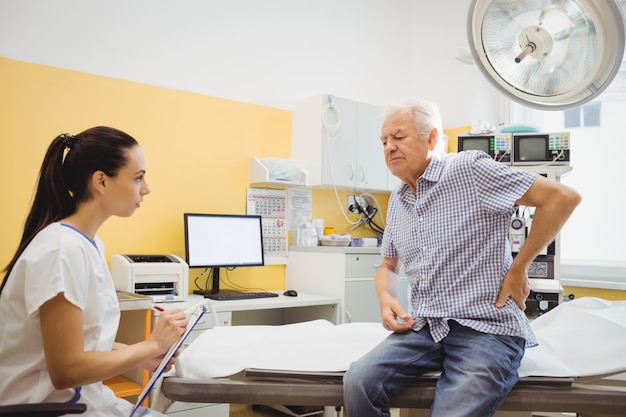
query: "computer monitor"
223, 241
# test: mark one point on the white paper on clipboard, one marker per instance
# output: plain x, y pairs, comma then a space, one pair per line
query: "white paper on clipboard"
197, 315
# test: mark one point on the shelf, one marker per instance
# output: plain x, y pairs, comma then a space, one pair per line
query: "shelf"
556, 170
275, 171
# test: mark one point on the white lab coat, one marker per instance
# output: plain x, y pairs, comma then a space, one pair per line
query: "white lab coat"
58, 260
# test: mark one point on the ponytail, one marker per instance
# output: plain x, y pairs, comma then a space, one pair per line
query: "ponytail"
53, 200
64, 177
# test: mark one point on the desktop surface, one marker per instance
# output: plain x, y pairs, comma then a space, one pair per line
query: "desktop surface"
274, 310
282, 301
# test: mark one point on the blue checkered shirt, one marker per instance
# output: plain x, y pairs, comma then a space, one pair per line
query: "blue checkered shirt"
452, 240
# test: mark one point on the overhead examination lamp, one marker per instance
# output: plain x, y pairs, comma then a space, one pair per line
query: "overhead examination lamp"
547, 54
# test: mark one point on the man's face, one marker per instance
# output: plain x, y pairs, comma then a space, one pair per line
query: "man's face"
406, 153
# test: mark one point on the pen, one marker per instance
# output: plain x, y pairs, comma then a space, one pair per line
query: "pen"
157, 308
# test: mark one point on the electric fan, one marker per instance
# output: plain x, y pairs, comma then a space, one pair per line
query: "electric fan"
547, 54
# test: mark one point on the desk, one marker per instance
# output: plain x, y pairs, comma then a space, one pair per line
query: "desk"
264, 311
259, 311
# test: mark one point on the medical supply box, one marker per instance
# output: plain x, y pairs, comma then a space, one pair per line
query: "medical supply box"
163, 277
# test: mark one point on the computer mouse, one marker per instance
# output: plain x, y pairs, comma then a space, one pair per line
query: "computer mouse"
291, 293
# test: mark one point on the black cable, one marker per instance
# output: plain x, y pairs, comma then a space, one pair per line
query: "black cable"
226, 280
376, 227
206, 284
370, 218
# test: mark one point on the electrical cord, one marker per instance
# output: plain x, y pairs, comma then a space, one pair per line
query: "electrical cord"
203, 274
330, 106
329, 130
382, 220
555, 159
500, 157
208, 274
237, 287
558, 156
372, 224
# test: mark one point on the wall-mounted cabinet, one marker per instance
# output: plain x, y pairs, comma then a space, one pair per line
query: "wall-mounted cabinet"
336, 141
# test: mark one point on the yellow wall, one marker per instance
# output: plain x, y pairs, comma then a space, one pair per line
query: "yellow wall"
197, 150
453, 136
579, 292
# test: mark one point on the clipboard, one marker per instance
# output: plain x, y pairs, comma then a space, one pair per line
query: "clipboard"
197, 314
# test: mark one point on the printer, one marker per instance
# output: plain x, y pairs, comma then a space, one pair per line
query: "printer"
163, 277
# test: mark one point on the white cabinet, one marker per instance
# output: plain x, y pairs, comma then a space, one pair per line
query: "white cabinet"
337, 142
345, 273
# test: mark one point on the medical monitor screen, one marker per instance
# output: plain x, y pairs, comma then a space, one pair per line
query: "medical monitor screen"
475, 143
223, 240
532, 148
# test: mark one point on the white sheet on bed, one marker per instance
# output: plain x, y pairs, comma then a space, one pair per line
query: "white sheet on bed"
583, 337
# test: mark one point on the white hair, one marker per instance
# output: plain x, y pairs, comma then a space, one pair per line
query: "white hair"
426, 116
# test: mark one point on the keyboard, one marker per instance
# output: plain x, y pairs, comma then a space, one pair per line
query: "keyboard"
235, 295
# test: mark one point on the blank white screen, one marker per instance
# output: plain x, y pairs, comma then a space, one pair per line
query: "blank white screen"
223, 240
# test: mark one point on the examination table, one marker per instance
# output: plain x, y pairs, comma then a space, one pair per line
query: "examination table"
263, 364
530, 394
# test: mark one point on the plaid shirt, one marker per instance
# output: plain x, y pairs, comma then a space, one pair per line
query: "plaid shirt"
452, 240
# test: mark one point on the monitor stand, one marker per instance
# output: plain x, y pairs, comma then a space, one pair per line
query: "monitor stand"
215, 283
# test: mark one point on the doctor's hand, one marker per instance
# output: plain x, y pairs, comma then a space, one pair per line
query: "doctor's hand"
153, 363
169, 327
515, 285
394, 317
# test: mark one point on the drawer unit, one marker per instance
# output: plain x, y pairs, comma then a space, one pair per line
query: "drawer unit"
362, 265
345, 273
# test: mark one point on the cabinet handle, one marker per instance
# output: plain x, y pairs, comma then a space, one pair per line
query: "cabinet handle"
362, 170
351, 172
348, 318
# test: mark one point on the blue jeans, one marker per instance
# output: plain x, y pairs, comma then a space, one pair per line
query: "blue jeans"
478, 370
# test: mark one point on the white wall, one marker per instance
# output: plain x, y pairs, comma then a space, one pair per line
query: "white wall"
268, 52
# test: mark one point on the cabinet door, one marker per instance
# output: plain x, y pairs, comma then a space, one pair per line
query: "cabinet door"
371, 171
339, 142
352, 155
361, 302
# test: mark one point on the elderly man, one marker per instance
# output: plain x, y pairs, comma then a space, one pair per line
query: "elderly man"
447, 224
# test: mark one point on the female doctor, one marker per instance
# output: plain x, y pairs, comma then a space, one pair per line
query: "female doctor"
58, 307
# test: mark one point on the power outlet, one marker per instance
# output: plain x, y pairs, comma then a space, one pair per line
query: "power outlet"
353, 208
356, 204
